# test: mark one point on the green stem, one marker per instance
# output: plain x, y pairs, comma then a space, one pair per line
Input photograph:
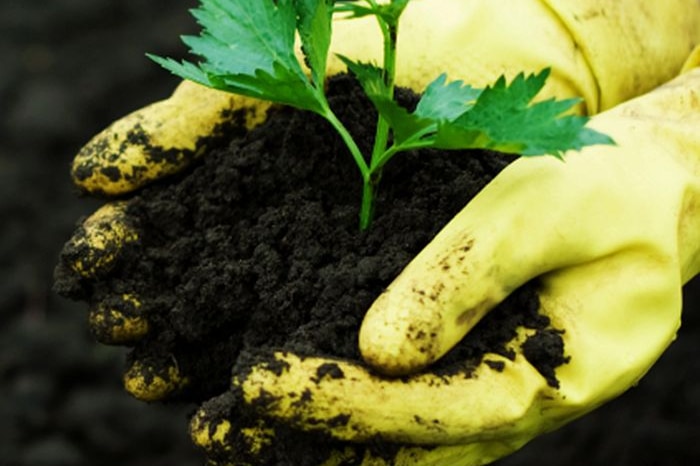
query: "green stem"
349, 141
381, 139
414, 142
380, 154
367, 206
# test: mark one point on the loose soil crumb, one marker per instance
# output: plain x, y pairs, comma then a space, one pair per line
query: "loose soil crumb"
258, 247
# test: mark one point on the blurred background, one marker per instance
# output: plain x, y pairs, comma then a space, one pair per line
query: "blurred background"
70, 67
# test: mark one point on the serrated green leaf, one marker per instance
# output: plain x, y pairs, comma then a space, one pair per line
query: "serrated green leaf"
370, 76
404, 125
314, 26
446, 101
256, 33
185, 70
247, 47
280, 86
502, 119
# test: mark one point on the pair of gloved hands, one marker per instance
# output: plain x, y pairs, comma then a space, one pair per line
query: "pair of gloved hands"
613, 233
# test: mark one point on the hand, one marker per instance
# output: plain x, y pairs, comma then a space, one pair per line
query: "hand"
162, 139
612, 233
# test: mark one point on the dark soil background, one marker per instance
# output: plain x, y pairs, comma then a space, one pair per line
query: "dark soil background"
69, 67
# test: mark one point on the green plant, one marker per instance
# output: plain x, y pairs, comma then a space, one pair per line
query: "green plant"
248, 49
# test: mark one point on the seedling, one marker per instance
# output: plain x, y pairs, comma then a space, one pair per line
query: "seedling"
247, 47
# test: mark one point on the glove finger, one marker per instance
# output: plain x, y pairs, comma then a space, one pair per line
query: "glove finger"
92, 253
161, 139
165, 366
597, 50
227, 442
94, 248
154, 377
350, 403
118, 321
228, 439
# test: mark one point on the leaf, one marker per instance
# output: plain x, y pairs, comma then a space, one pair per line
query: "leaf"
502, 119
314, 26
446, 101
247, 47
286, 88
254, 34
405, 125
370, 76
185, 69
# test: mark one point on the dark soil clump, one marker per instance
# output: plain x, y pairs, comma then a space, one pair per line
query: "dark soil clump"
258, 247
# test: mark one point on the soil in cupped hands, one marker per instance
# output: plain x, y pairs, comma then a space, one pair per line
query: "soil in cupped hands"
257, 247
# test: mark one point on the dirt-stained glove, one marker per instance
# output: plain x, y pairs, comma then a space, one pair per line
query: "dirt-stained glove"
574, 39
613, 233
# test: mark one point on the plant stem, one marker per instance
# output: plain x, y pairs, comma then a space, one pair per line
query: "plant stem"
381, 139
368, 184
367, 206
349, 142
389, 31
414, 142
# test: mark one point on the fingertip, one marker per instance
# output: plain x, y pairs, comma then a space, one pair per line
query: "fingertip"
124, 156
95, 247
117, 321
396, 343
418, 319
209, 433
149, 381
228, 436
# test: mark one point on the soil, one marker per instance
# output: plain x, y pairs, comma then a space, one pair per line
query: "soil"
72, 66
258, 247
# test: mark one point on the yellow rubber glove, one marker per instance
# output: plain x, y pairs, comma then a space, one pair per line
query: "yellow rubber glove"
575, 40
613, 233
